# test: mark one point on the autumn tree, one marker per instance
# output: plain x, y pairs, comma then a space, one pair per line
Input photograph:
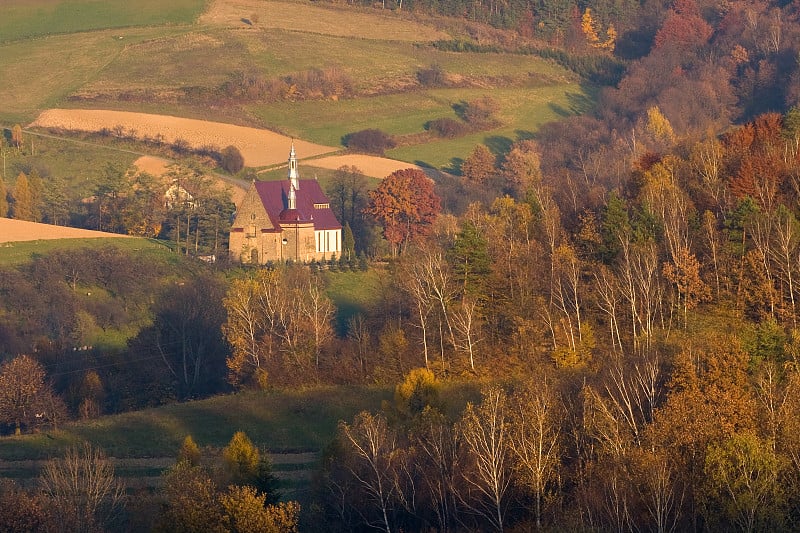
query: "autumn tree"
683, 27
589, 27
277, 321
406, 205
743, 486
419, 390
23, 199
4, 208
479, 165
20, 512
16, 136
25, 398
241, 459
244, 510
684, 273
521, 167
189, 452
191, 501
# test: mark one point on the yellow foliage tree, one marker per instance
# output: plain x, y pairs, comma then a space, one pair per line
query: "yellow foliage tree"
241, 457
418, 390
23, 198
3, 199
658, 126
588, 26
244, 511
189, 452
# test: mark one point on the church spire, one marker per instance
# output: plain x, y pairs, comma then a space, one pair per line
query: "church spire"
292, 197
294, 183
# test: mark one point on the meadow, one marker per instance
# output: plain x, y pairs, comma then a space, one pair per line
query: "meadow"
138, 58
282, 421
14, 254
24, 19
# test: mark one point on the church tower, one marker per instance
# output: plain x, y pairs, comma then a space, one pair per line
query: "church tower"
294, 177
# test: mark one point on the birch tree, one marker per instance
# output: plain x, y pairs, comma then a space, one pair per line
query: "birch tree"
486, 431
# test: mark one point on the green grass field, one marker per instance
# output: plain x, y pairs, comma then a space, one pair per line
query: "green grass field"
23, 19
78, 163
136, 47
16, 253
283, 421
289, 421
352, 293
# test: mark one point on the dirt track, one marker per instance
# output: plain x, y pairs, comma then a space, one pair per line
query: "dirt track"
19, 230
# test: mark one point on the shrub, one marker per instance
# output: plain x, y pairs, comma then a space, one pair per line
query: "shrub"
232, 160
372, 141
447, 127
432, 76
480, 112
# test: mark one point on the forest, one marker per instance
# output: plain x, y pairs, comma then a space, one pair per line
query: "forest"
622, 287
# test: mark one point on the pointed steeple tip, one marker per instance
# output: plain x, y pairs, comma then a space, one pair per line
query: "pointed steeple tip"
293, 175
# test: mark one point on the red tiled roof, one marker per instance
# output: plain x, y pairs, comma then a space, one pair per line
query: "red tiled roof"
275, 198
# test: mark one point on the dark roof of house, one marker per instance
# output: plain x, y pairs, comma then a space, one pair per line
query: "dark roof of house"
275, 198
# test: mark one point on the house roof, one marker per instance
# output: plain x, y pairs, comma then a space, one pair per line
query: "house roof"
275, 198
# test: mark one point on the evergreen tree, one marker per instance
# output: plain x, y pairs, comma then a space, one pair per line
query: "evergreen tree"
469, 257
348, 242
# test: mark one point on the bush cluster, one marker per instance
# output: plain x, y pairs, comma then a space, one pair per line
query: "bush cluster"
447, 127
372, 141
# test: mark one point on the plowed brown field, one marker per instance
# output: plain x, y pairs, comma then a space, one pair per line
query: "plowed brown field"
12, 230
258, 147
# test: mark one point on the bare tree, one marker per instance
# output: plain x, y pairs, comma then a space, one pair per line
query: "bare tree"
486, 431
372, 444
358, 332
82, 489
437, 447
466, 323
536, 440
318, 311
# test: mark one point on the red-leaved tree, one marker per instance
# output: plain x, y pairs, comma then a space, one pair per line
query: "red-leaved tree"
405, 205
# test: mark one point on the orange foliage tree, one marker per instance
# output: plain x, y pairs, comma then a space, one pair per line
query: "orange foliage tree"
406, 205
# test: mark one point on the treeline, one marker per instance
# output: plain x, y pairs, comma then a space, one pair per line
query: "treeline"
113, 330
184, 206
80, 492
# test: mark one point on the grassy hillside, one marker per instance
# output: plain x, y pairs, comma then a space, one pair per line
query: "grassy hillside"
17, 253
142, 56
23, 19
282, 421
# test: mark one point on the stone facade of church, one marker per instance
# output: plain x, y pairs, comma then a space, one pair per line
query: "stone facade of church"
287, 220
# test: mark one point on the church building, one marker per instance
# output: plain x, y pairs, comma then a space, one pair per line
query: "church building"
287, 220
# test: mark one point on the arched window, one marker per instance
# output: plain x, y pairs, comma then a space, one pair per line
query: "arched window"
254, 256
